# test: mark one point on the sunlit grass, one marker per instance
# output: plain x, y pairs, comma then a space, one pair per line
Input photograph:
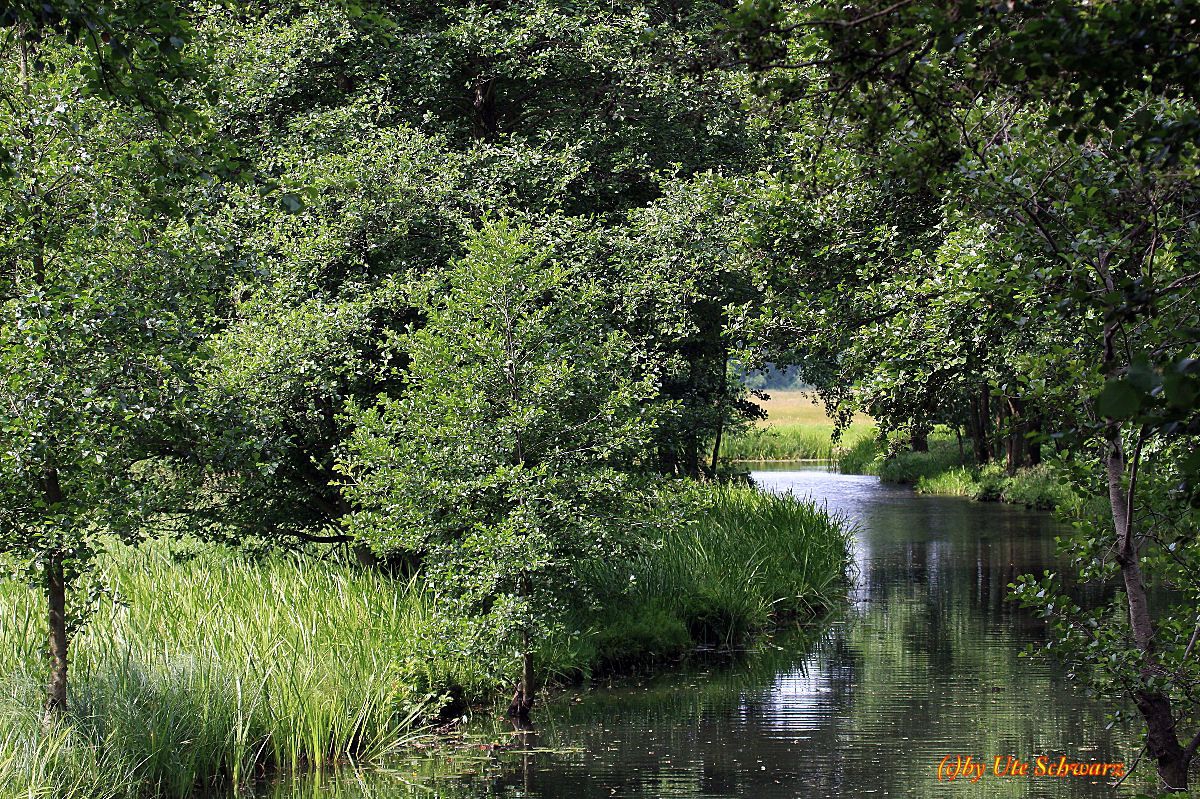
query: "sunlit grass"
208, 670
796, 428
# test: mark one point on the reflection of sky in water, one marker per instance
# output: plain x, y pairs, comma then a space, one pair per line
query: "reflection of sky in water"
923, 662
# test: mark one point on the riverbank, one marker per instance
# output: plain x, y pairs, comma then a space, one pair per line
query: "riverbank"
945, 470
210, 669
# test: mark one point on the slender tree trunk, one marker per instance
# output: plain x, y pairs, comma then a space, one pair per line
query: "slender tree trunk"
1000, 443
56, 605
692, 458
522, 701
56, 594
1033, 445
1162, 742
920, 440
983, 440
1016, 436
527, 670
716, 455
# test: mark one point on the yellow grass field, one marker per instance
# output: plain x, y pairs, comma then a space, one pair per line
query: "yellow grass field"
799, 408
796, 428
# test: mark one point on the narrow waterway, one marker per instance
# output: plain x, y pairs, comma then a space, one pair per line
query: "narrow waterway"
922, 664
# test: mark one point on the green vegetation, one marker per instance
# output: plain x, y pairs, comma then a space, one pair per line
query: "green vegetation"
946, 471
796, 428
1034, 487
793, 442
463, 288
210, 667
867, 456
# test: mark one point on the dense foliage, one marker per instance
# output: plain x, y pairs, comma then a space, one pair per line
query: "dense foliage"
464, 290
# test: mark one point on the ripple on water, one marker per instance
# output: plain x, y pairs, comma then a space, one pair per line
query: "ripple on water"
922, 663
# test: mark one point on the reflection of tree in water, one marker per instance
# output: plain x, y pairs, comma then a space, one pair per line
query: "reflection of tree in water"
922, 664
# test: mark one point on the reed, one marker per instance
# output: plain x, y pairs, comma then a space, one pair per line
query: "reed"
794, 442
745, 560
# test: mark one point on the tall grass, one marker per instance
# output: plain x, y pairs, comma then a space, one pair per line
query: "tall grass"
747, 559
1034, 487
211, 670
793, 442
868, 457
956, 482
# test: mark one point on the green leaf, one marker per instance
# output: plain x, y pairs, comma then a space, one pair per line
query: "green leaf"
1118, 400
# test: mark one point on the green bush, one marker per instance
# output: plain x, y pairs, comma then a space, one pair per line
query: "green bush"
1040, 487
990, 482
861, 457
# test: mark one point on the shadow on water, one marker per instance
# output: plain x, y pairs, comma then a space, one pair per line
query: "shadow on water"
922, 663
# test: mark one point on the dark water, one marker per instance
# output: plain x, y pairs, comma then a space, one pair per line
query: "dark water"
922, 664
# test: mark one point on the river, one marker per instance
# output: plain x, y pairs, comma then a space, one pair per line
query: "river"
922, 664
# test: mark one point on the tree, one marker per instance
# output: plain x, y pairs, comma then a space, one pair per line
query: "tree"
513, 460
374, 135
99, 299
1069, 130
693, 292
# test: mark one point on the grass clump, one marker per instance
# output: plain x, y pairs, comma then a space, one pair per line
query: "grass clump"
210, 670
748, 558
1034, 487
957, 482
867, 457
1040, 487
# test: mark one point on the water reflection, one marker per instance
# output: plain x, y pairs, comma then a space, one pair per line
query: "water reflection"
921, 664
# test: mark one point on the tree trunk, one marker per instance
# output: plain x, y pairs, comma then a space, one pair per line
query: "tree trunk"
1034, 445
522, 701
692, 458
485, 122
56, 595
983, 446
716, 456
56, 606
1020, 446
920, 440
720, 416
1162, 742
1001, 442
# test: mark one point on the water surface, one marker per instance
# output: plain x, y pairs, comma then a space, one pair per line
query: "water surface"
923, 663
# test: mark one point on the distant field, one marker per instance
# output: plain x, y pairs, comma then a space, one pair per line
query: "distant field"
798, 407
796, 428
